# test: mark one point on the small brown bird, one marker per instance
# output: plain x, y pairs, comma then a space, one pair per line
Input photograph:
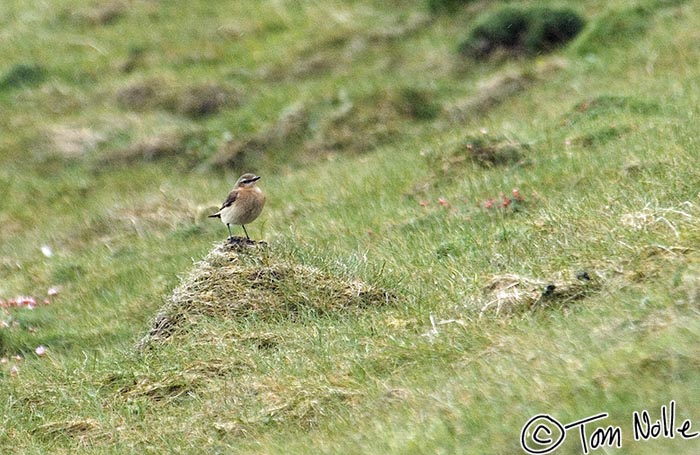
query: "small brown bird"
243, 204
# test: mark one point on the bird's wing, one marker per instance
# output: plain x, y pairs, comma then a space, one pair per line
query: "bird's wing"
230, 199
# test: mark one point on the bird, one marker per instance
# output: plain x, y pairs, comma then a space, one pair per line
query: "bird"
243, 204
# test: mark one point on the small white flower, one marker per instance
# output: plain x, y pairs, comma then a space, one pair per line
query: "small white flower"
46, 251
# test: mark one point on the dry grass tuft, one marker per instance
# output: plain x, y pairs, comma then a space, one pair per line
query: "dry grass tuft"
73, 141
195, 101
177, 383
238, 281
203, 100
511, 293
651, 218
140, 95
491, 151
482, 149
286, 399
77, 428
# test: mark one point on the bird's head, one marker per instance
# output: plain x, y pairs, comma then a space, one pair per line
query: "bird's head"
247, 180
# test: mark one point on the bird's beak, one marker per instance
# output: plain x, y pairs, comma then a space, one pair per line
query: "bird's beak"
255, 179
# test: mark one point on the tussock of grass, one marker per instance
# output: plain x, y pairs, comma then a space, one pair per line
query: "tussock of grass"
139, 95
202, 100
493, 151
239, 281
195, 101
511, 293
483, 149
73, 141
174, 384
522, 31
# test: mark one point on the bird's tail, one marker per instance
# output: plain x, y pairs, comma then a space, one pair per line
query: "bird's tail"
214, 215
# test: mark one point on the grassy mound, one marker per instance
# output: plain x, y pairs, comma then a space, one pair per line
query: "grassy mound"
248, 281
512, 293
482, 149
195, 101
522, 31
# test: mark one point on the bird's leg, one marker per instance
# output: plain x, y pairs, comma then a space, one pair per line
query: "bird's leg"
230, 236
246, 232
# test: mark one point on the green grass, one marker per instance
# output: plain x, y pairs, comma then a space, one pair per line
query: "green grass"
375, 186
